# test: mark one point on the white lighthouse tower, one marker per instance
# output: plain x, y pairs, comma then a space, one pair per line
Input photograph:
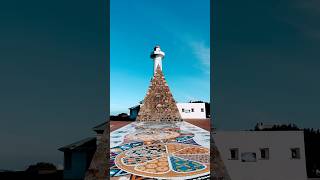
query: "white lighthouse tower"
157, 55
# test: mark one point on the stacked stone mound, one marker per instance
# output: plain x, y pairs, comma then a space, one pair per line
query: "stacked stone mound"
159, 105
99, 166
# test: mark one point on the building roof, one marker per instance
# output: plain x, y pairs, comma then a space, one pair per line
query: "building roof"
100, 128
197, 102
80, 145
134, 107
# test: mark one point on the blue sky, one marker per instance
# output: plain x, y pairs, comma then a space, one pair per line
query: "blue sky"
182, 31
53, 65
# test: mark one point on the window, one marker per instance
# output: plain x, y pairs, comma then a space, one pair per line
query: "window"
234, 154
295, 153
264, 153
202, 110
182, 110
248, 157
192, 110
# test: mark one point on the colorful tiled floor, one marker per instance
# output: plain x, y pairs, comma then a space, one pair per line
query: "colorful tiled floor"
160, 151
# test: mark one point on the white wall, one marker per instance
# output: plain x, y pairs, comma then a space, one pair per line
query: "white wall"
280, 166
188, 114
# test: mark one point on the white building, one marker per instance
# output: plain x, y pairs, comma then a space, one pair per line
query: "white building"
192, 110
263, 155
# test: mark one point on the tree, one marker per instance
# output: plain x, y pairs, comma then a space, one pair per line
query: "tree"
41, 166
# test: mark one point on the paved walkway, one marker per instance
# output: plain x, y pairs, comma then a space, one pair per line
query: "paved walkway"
142, 150
202, 123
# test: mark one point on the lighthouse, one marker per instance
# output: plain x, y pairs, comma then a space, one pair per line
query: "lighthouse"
158, 104
157, 55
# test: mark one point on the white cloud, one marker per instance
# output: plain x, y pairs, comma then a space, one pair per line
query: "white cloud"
202, 53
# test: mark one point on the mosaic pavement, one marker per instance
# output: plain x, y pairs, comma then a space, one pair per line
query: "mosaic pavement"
144, 150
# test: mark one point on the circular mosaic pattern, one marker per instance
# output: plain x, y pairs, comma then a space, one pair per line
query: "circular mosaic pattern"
171, 160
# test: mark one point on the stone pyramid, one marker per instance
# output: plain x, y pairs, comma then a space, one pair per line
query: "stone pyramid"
99, 166
158, 104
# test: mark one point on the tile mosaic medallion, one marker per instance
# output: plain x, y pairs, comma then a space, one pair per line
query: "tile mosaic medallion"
144, 150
